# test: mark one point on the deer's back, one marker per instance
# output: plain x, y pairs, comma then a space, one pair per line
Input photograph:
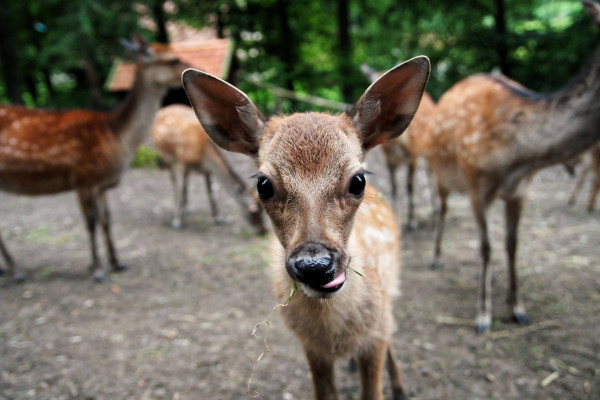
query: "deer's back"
178, 136
361, 312
45, 152
474, 130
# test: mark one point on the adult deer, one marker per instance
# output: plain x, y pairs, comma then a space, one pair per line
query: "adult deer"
46, 152
312, 185
590, 162
406, 150
489, 136
183, 146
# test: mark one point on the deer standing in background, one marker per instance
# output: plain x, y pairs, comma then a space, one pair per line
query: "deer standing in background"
311, 183
183, 146
489, 136
46, 152
406, 150
590, 162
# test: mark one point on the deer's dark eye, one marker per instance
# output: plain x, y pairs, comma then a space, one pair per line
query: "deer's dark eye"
357, 185
265, 188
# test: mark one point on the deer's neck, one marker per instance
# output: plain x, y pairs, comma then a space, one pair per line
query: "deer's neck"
565, 123
132, 121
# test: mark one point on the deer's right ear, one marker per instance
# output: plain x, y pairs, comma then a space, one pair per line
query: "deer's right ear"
227, 115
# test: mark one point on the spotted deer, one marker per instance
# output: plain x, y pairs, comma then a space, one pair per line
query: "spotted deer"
328, 222
406, 150
489, 136
590, 162
46, 152
183, 147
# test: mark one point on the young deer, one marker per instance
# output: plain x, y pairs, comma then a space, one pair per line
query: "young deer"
489, 136
183, 146
312, 185
590, 162
406, 150
46, 152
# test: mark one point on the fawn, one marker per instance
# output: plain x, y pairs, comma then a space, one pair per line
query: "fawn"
406, 150
328, 222
46, 152
590, 162
489, 136
183, 146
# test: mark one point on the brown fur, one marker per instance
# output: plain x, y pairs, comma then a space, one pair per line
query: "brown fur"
183, 146
488, 136
310, 159
45, 152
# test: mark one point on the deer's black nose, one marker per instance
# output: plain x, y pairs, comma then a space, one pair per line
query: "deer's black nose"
313, 265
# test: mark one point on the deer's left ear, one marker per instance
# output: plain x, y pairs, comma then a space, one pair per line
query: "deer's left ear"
388, 106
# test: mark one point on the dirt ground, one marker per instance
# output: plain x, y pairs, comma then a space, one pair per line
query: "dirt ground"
178, 324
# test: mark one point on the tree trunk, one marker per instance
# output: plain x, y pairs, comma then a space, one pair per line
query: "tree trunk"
502, 45
344, 48
8, 54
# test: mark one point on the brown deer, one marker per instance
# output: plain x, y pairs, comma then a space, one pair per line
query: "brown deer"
406, 150
183, 146
489, 136
311, 182
590, 162
45, 152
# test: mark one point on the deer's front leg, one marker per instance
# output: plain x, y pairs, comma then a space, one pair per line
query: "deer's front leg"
322, 376
370, 364
104, 216
89, 210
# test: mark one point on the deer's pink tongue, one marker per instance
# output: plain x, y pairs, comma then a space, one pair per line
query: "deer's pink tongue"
338, 280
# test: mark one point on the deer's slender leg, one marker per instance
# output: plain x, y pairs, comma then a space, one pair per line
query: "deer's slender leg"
13, 268
393, 186
439, 228
410, 181
89, 210
181, 196
370, 364
580, 179
483, 320
395, 376
595, 190
322, 377
512, 214
104, 216
211, 198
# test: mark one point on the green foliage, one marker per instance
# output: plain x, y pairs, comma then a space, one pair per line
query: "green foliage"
65, 47
145, 157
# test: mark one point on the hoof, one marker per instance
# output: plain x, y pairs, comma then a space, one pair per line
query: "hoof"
20, 278
176, 224
436, 265
400, 396
220, 221
410, 227
100, 278
120, 268
482, 329
521, 318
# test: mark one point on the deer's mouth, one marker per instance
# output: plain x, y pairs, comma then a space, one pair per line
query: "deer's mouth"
317, 269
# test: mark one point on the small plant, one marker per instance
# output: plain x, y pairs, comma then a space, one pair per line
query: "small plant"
145, 157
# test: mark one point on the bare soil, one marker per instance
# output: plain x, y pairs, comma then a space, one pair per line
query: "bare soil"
177, 325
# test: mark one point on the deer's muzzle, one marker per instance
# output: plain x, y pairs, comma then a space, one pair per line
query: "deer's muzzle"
315, 265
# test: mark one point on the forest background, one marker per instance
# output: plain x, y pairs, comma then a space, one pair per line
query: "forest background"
58, 53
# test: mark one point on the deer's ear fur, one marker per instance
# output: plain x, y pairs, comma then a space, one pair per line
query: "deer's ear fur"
388, 106
227, 115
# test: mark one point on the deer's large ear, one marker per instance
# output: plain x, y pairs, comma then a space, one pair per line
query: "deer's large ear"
387, 107
227, 115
